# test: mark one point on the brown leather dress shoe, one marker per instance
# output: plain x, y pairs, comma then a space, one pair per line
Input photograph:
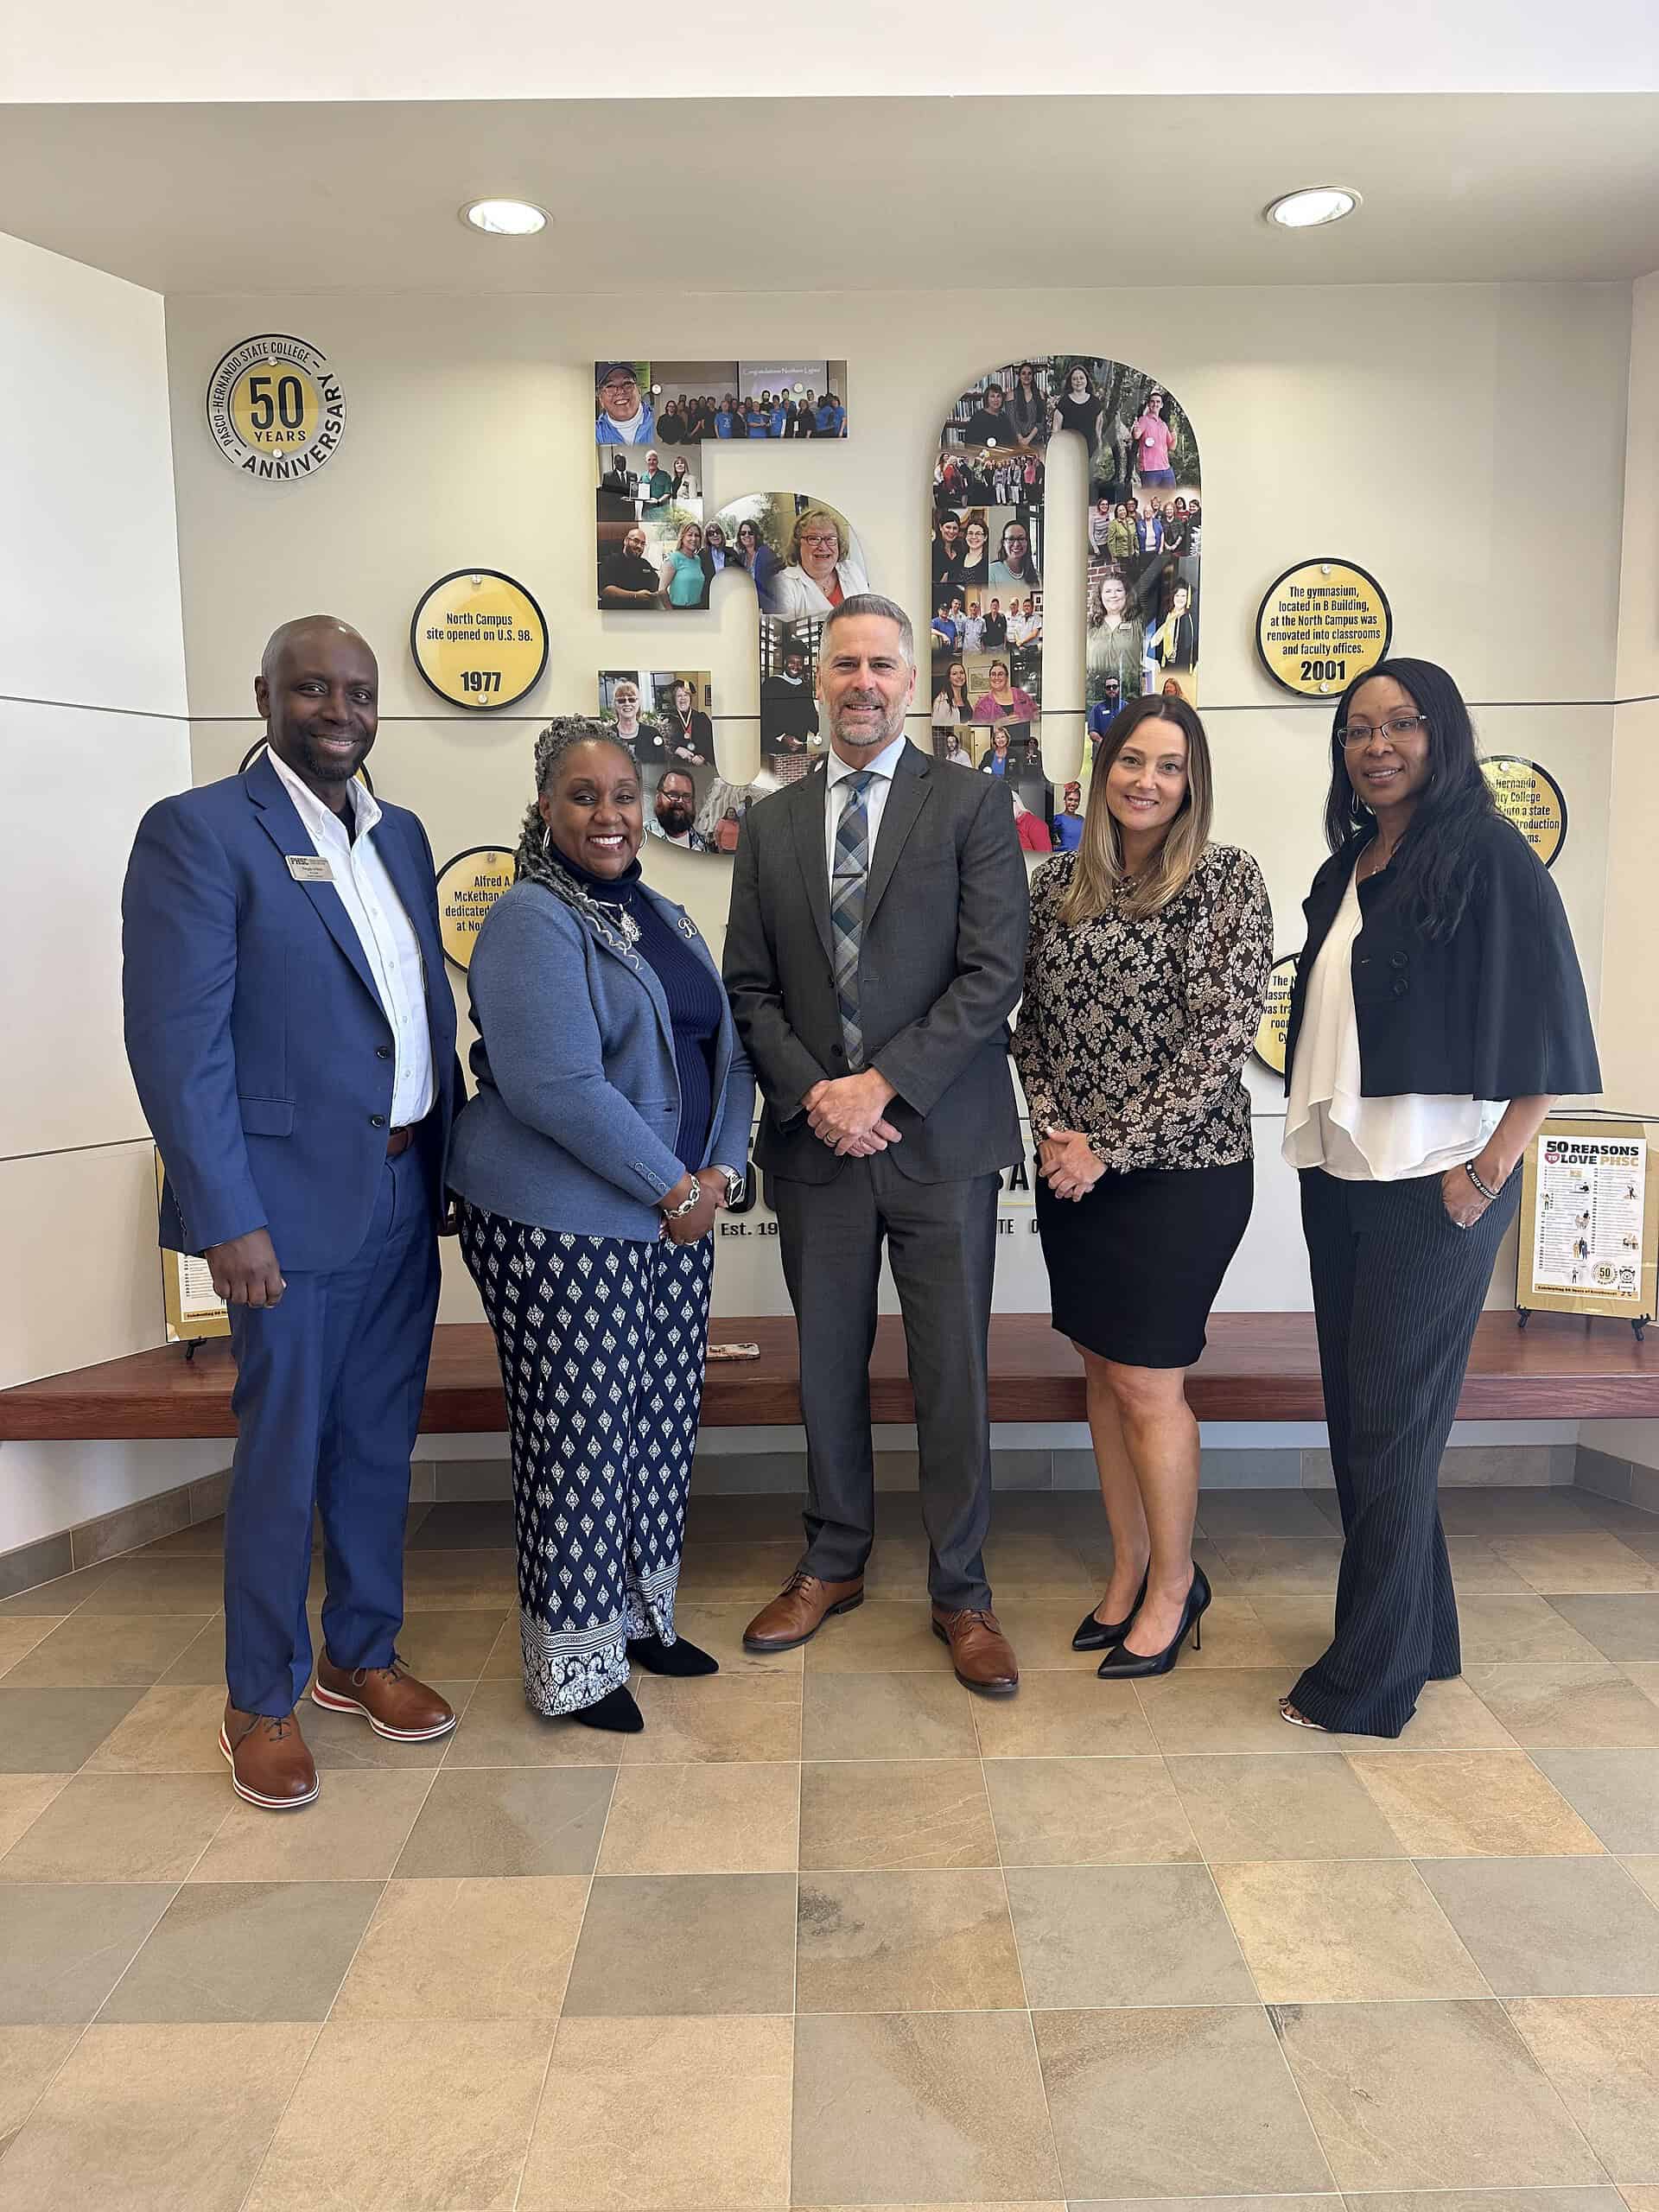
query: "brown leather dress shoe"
390, 1699
981, 1653
800, 1610
270, 1764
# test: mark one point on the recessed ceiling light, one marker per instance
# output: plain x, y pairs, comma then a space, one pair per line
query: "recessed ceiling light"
505, 218
1305, 211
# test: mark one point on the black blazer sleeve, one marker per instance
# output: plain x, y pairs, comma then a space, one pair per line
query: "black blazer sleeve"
1532, 1031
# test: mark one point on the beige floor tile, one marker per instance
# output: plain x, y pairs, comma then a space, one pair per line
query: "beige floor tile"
1620, 1627
54, 1731
505, 1660
1263, 1805
1644, 1672
201, 1665
1602, 2053
1618, 1792
1235, 1635
345, 1739
1343, 1930
933, 1941
23, 1798
737, 1574
20, 1634
755, 1721
685, 1944
897, 1571
886, 1717
653, 2115
1059, 1715
155, 2120
499, 1729
1087, 1812
509, 1821
122, 1828
407, 2148
1100, 1936
449, 1646
1449, 1718
1645, 1872
708, 1818
1442, 2096
1229, 1515
1640, 2200
1041, 1567
167, 1732
138, 1584
1552, 1927
1605, 2199
454, 1582
99, 1651
1057, 2207
879, 1639
1300, 1628
1228, 1710
1329, 2202
1471, 1804
1477, 1567
919, 2107
869, 1815
1040, 1629
1155, 2099
246, 1951
1594, 1562
30, 2057
1502, 1632
352, 1833
718, 1629
65, 1595
1581, 1704
1284, 1566
65, 1945
495, 1949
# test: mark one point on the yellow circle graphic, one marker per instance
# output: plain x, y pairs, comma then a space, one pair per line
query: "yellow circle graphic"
1320, 624
1273, 1033
469, 886
479, 639
276, 407
1529, 797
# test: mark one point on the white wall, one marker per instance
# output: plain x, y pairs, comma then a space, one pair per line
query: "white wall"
91, 729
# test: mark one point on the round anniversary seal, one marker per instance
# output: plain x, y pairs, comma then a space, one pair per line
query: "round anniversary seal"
276, 408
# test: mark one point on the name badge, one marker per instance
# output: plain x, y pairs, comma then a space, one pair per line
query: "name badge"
305, 867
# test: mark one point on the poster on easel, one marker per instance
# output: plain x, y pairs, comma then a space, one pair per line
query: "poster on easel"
1590, 1221
195, 1308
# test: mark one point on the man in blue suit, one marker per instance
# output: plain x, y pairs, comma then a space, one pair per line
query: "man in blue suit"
292, 1036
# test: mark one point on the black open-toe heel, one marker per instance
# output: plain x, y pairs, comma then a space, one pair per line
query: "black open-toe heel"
1097, 1636
1121, 1666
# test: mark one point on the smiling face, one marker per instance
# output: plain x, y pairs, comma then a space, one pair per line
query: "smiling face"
592, 808
1016, 544
634, 545
865, 684
320, 701
820, 544
620, 396
626, 701
1387, 764
950, 531
1114, 597
978, 538
1146, 783
682, 699
997, 676
676, 801
1076, 383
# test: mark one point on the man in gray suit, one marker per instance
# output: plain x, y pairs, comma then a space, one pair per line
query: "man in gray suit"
875, 951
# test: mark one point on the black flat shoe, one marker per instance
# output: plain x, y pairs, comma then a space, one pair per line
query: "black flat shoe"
1097, 1636
618, 1712
679, 1658
1121, 1666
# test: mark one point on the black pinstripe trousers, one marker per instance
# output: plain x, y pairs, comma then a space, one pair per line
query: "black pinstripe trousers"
1397, 1290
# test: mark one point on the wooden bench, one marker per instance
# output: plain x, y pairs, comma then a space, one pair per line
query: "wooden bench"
1259, 1367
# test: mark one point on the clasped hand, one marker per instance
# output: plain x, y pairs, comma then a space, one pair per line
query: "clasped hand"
1067, 1165
847, 1113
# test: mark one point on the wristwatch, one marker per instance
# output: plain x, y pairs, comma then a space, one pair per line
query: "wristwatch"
735, 1184
687, 1204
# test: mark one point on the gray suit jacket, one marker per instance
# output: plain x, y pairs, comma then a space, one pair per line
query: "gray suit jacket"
942, 963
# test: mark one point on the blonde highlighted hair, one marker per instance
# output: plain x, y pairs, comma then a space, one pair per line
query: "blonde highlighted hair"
804, 521
1098, 872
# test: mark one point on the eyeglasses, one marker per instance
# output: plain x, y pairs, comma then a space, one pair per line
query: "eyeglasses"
1398, 726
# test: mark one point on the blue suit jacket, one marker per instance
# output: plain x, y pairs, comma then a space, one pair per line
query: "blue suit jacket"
262, 1053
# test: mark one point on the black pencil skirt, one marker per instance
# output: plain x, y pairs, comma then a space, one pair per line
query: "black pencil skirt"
1134, 1266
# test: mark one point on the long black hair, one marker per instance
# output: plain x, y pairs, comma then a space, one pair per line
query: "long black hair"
1437, 861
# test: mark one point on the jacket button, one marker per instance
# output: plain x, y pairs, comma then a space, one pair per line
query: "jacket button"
838, 1052
1400, 987
383, 1052
377, 1121
1399, 960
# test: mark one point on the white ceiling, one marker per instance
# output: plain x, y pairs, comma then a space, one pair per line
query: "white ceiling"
825, 194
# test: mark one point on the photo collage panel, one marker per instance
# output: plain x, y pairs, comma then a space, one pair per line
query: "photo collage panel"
666, 718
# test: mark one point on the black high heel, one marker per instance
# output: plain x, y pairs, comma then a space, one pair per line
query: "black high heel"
1095, 1636
1120, 1666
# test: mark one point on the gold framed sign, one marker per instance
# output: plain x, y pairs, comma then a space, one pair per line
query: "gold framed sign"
1590, 1221
1320, 624
1273, 1031
276, 407
195, 1308
1528, 796
469, 886
479, 639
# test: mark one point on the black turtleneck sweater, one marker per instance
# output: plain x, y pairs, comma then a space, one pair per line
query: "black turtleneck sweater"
695, 999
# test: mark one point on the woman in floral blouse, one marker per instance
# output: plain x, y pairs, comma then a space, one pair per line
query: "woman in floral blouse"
1145, 982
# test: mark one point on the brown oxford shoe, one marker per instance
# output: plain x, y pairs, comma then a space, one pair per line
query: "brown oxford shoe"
270, 1764
390, 1699
981, 1653
800, 1610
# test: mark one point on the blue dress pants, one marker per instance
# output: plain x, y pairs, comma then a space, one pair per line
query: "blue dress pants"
327, 1403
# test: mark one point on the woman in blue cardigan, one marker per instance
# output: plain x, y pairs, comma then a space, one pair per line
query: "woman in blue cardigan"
611, 1124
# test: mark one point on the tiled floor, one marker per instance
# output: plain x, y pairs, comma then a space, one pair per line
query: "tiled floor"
831, 1932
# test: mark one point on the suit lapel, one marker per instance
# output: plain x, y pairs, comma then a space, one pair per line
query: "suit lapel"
911, 784
807, 804
280, 819
399, 857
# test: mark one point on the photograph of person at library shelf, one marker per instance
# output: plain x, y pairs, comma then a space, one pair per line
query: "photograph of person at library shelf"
822, 564
788, 708
623, 414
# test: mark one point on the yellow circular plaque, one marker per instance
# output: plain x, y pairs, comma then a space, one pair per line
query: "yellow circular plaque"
479, 639
276, 407
1274, 1033
1320, 624
1529, 797
469, 886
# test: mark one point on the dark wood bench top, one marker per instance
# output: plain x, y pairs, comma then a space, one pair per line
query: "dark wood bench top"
1259, 1367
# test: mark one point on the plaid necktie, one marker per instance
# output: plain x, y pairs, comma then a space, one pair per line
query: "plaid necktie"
847, 881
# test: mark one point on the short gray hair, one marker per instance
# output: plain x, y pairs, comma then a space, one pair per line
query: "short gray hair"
872, 602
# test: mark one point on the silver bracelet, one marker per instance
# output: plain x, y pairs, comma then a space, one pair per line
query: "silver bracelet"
687, 1205
1485, 1189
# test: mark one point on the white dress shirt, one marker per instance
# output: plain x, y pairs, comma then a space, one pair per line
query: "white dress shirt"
384, 930
876, 797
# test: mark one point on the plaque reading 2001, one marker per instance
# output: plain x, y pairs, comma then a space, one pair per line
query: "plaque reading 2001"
479, 639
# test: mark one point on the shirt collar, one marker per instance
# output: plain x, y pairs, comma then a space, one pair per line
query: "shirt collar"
315, 813
885, 763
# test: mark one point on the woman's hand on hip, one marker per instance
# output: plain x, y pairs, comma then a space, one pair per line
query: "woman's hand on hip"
1463, 1202
1067, 1165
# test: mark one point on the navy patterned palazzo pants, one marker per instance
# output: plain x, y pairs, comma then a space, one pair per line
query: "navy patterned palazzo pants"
602, 1342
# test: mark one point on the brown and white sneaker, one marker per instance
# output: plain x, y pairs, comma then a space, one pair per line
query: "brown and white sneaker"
390, 1699
270, 1764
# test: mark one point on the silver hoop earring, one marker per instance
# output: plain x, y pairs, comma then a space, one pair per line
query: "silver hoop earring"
546, 842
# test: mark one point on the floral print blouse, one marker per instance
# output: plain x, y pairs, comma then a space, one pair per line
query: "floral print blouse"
1136, 1030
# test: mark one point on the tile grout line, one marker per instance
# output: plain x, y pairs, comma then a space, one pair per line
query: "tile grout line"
1024, 1994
